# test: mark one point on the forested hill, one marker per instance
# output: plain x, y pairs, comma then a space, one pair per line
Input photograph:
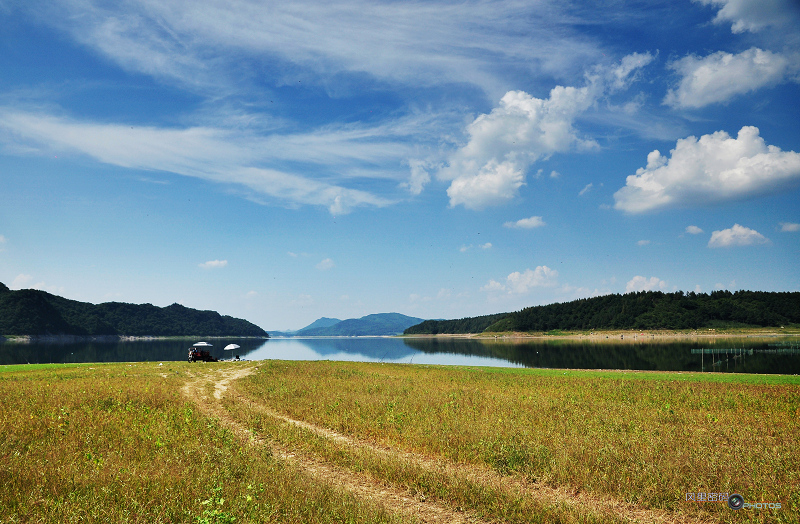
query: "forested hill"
379, 324
33, 312
643, 310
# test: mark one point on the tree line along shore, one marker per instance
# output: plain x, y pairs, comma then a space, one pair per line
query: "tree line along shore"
647, 310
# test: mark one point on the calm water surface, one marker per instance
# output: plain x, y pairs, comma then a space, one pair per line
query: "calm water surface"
738, 355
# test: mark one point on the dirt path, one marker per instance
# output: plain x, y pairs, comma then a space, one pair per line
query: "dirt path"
402, 501
393, 499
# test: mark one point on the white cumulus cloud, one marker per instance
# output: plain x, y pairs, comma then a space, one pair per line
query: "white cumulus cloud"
325, 264
693, 230
721, 76
520, 283
491, 167
640, 283
419, 177
493, 184
526, 223
21, 281
736, 236
302, 300
542, 276
790, 227
714, 168
754, 15
213, 264
493, 286
627, 70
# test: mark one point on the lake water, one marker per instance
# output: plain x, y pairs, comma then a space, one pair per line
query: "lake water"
740, 355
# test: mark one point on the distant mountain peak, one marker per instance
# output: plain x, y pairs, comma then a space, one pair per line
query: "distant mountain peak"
376, 324
323, 322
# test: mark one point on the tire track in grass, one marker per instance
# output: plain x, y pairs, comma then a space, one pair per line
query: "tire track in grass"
393, 499
404, 502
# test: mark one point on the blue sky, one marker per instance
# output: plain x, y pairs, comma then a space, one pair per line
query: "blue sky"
286, 161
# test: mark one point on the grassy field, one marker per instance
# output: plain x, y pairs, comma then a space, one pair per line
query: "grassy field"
119, 443
124, 443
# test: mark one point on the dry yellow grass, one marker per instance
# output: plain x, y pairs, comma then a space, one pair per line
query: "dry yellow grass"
119, 443
122, 443
648, 440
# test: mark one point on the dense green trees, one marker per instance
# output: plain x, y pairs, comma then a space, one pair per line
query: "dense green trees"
642, 310
32, 312
463, 325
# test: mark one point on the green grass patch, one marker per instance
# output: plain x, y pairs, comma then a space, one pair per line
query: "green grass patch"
451, 488
119, 443
668, 376
645, 438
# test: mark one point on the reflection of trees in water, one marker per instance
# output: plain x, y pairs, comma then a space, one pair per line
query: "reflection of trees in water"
134, 351
373, 348
570, 354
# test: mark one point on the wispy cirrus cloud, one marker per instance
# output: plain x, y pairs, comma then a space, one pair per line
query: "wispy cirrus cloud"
225, 155
421, 42
194, 44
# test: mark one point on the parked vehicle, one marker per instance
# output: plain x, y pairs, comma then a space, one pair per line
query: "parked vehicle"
197, 353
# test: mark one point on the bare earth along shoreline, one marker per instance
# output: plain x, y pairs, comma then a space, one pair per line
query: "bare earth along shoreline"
627, 335
594, 336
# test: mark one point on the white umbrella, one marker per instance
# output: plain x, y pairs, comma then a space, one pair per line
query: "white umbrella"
232, 346
201, 344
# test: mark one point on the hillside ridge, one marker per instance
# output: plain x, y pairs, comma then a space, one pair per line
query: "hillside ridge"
639, 310
376, 324
39, 313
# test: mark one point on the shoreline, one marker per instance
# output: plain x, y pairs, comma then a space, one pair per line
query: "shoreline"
599, 335
621, 334
70, 339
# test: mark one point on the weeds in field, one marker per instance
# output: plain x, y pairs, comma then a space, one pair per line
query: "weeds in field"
119, 443
647, 442
452, 487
